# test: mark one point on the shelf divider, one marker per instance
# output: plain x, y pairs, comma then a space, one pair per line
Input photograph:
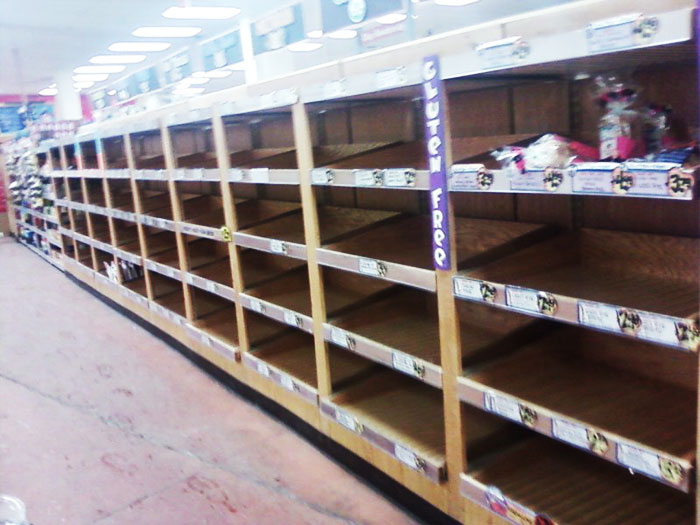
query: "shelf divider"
224, 162
312, 235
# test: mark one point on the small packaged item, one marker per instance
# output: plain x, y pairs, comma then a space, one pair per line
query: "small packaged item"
655, 127
619, 129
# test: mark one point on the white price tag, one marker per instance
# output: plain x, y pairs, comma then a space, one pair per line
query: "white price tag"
347, 420
259, 175
500, 53
277, 246
522, 299
321, 176
528, 181
406, 364
334, 89
597, 315
570, 432
365, 178
467, 288
339, 337
257, 306
189, 279
639, 460
390, 78
594, 177
406, 456
211, 286
503, 406
235, 174
204, 338
370, 267
291, 318
287, 382
657, 328
263, 369
612, 33
398, 177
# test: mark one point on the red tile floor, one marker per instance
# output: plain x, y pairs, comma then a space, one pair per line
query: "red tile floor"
100, 422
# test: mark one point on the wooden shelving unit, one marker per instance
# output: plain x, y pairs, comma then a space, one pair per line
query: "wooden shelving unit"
284, 232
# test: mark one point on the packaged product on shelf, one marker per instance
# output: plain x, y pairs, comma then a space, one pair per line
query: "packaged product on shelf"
620, 128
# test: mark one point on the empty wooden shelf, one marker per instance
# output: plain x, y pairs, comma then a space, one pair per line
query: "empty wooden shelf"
640, 422
285, 235
397, 414
399, 328
400, 249
255, 211
543, 480
634, 284
258, 267
289, 360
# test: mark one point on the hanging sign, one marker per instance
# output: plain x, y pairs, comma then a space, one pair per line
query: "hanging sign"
336, 14
435, 142
222, 51
177, 67
281, 28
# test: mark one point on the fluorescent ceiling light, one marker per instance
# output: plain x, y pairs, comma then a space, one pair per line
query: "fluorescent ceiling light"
215, 73
191, 81
83, 85
392, 18
99, 69
52, 86
455, 3
201, 13
316, 33
48, 92
95, 77
238, 66
167, 32
343, 34
112, 92
304, 46
117, 59
138, 47
188, 91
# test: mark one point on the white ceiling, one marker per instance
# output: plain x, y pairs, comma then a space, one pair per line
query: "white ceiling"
57, 35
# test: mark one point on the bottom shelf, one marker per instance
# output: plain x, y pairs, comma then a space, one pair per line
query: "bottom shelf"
542, 482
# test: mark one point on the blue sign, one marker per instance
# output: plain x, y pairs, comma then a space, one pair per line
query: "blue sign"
177, 67
336, 14
10, 119
222, 51
143, 81
281, 28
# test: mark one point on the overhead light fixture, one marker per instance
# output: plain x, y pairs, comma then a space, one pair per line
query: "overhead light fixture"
117, 59
214, 73
48, 92
304, 46
238, 66
188, 91
112, 92
166, 32
316, 33
94, 77
391, 18
83, 85
138, 47
99, 69
201, 13
194, 81
52, 86
343, 34
455, 3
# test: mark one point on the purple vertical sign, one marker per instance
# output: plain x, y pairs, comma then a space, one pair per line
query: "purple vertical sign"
435, 143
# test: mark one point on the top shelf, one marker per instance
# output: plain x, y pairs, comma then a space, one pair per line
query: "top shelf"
567, 39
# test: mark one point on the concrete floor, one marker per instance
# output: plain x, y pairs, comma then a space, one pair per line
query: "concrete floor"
100, 422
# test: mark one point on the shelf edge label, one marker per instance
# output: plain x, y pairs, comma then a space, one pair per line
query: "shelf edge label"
435, 140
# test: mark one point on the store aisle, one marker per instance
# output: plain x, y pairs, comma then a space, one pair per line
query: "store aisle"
100, 422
